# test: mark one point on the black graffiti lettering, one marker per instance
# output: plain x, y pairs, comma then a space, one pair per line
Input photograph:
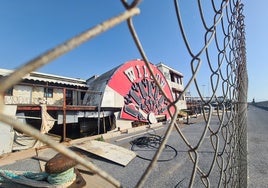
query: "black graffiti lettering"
144, 82
144, 97
131, 111
161, 100
134, 95
147, 104
143, 107
135, 87
140, 116
142, 89
156, 93
151, 102
127, 99
150, 89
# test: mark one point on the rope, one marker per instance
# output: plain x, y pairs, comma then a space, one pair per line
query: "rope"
42, 176
63, 178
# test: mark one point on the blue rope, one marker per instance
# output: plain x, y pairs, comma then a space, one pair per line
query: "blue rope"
42, 176
61, 178
54, 179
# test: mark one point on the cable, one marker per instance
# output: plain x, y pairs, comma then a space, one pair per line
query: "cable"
152, 141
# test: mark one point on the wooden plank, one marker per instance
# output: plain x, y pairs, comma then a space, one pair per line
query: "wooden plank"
10, 158
108, 151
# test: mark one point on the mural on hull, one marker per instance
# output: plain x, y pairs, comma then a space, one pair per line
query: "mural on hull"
143, 100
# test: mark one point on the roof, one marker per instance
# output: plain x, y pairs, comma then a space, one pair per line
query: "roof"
37, 76
170, 69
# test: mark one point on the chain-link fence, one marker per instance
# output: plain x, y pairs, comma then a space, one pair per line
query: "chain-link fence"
224, 110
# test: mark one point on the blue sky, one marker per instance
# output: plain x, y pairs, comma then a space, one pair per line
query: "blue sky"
31, 27
256, 40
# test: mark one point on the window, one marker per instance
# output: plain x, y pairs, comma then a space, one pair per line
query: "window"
176, 78
177, 94
9, 92
69, 93
48, 92
69, 97
172, 77
82, 95
180, 80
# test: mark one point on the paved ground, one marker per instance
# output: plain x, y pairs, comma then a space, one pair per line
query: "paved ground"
174, 169
176, 166
257, 147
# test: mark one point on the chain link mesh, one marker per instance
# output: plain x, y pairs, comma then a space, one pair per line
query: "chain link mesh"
223, 52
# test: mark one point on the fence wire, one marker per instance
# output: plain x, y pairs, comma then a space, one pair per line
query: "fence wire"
223, 52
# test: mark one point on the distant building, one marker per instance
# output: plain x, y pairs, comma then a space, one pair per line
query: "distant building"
61, 95
131, 88
175, 81
39, 86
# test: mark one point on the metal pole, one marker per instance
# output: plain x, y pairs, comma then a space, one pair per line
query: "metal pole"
64, 115
99, 109
104, 126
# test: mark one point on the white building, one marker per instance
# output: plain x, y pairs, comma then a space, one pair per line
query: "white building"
175, 81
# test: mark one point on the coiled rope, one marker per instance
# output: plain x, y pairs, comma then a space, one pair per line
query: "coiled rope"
37, 178
55, 179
